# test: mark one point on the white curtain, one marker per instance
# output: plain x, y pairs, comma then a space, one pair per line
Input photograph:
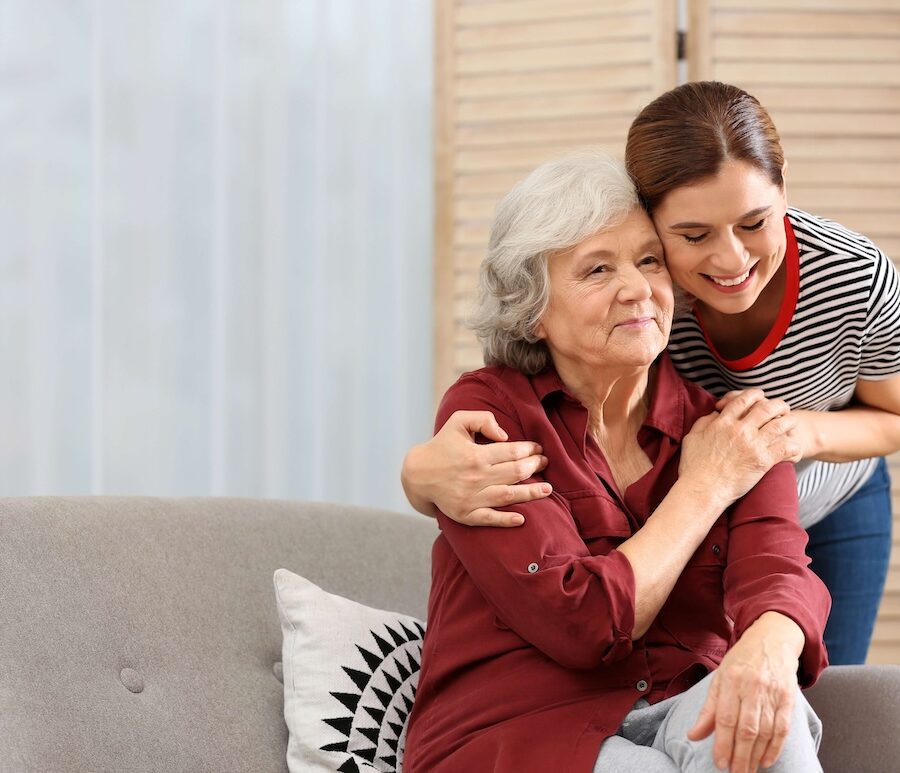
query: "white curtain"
215, 246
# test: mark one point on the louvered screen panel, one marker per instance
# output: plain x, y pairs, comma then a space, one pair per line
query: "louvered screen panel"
829, 72
518, 81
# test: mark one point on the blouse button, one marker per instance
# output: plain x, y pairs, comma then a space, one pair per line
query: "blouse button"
642, 685
716, 550
532, 567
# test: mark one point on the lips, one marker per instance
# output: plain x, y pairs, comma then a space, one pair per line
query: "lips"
635, 322
732, 283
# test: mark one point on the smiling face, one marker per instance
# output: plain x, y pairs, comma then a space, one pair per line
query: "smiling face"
724, 236
611, 299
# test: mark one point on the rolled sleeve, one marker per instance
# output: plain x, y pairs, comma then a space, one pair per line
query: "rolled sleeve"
768, 570
880, 356
540, 579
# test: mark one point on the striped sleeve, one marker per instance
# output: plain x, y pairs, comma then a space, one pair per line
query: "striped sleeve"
881, 343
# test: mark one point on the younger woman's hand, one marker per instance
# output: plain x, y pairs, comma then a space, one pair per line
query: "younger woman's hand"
733, 448
465, 480
801, 432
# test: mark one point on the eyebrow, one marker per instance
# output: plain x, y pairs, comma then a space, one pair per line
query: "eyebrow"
746, 216
647, 245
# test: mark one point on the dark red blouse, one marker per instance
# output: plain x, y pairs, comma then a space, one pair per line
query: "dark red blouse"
528, 662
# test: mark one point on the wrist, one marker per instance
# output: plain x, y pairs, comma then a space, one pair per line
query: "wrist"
416, 493
776, 627
703, 498
812, 433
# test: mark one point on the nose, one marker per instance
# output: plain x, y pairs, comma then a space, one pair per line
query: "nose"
731, 255
634, 286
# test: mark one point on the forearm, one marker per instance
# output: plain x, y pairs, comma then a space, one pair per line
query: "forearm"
410, 478
660, 550
857, 432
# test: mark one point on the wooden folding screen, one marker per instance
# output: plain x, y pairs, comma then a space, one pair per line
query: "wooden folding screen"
518, 81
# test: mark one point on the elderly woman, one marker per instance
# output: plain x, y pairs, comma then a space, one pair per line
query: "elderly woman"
656, 611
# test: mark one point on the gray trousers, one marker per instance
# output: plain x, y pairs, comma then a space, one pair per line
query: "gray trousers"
653, 739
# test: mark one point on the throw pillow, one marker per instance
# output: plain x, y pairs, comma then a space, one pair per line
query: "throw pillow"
350, 676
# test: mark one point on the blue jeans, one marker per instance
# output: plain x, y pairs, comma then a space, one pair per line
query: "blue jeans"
850, 550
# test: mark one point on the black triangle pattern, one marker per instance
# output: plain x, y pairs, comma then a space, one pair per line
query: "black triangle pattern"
397, 728
399, 640
349, 699
372, 660
371, 733
376, 714
368, 754
383, 645
404, 672
384, 697
387, 735
341, 724
393, 743
410, 636
359, 678
392, 681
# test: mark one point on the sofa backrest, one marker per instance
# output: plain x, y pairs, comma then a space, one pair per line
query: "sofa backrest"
140, 634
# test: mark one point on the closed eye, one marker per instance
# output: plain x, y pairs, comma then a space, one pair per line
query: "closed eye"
755, 226
694, 239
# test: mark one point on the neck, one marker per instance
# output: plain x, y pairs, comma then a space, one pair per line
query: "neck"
615, 399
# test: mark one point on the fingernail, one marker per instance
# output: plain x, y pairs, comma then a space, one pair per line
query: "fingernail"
721, 764
517, 520
546, 488
539, 450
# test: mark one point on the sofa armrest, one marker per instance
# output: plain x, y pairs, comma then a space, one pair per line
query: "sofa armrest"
860, 711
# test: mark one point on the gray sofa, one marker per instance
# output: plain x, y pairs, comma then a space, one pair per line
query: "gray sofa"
140, 634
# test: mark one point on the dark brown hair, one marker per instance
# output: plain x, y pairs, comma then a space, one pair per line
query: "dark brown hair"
687, 133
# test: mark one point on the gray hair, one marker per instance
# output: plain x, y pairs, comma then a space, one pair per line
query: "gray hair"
558, 205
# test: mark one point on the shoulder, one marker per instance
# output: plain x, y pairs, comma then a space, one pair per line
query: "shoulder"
821, 235
497, 388
495, 377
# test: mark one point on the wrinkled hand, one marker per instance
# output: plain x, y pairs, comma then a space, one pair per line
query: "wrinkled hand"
466, 480
801, 432
734, 447
751, 697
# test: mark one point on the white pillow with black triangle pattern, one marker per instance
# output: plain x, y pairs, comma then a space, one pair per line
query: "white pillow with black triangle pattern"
350, 676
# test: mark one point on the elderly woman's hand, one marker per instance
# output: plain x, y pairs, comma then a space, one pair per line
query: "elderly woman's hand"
465, 480
752, 694
736, 446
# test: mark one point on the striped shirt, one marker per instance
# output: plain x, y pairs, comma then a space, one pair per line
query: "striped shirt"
839, 323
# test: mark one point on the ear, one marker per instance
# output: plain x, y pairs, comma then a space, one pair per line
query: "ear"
784, 167
539, 332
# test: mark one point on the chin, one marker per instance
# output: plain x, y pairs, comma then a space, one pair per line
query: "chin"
733, 304
642, 359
